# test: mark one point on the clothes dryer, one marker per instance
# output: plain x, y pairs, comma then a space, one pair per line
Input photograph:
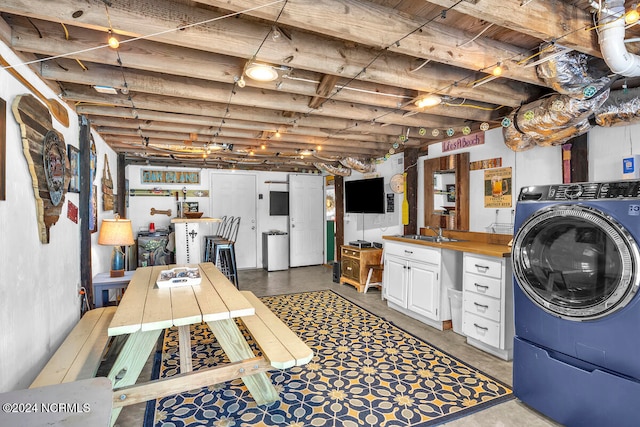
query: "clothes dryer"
576, 263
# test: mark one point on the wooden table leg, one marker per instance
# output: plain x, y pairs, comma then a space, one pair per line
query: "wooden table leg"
184, 341
237, 349
131, 360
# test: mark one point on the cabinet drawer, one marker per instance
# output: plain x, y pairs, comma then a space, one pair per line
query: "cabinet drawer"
481, 329
483, 285
413, 252
350, 253
485, 266
482, 306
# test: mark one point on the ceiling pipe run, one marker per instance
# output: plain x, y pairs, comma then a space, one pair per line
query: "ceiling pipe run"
611, 39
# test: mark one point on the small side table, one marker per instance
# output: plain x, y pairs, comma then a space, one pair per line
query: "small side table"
102, 282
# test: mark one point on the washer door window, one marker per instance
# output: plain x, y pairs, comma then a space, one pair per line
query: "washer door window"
576, 262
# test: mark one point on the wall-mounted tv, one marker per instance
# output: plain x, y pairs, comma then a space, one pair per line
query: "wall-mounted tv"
364, 196
278, 203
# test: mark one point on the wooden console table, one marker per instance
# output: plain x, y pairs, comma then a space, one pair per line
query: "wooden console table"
354, 264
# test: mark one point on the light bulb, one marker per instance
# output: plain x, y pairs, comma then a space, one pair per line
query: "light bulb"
275, 33
428, 101
113, 42
497, 71
632, 16
241, 82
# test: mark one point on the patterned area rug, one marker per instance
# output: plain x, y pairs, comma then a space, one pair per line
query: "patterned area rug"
366, 372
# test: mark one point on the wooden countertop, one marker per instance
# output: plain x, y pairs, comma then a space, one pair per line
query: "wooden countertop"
477, 243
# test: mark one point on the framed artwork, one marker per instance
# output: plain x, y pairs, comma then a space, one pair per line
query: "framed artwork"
74, 166
3, 149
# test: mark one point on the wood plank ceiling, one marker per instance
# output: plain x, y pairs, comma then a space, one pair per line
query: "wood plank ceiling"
349, 72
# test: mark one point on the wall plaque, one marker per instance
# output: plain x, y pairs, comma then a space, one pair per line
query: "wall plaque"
169, 177
46, 155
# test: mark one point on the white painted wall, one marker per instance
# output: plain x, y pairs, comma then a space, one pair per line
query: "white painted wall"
607, 148
38, 282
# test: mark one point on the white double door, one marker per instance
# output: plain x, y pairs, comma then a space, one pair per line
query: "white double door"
234, 194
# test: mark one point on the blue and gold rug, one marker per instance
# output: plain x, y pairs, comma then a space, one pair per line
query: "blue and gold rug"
365, 372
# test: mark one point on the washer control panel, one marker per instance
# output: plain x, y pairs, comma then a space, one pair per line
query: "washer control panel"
629, 189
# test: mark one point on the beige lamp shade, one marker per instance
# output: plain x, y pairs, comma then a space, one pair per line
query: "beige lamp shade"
116, 232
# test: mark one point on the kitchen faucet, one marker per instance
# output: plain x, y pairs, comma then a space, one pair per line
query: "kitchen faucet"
438, 230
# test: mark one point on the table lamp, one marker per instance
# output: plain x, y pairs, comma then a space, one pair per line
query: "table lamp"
116, 232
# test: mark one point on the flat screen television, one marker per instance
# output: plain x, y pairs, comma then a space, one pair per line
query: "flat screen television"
364, 196
278, 203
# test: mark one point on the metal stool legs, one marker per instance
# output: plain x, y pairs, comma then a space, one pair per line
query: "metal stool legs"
225, 259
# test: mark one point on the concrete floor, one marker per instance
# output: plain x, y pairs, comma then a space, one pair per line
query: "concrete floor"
315, 278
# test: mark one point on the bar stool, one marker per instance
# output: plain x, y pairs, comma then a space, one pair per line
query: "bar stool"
209, 240
224, 255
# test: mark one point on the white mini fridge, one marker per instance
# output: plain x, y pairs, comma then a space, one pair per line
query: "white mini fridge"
275, 250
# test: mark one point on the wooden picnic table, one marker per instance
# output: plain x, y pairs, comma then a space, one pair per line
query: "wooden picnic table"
146, 310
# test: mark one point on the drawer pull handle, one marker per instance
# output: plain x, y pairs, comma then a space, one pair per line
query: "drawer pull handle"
479, 286
483, 267
408, 252
481, 327
481, 305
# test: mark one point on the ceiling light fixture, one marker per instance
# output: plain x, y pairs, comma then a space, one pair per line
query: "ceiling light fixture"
105, 89
261, 72
427, 101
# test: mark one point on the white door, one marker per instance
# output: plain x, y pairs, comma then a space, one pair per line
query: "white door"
306, 220
234, 194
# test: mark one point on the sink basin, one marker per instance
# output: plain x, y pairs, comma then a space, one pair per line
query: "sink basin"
430, 238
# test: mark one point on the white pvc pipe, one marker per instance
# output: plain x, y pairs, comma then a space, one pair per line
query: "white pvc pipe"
611, 40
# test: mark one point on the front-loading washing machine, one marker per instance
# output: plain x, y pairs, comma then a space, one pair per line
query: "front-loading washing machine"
576, 263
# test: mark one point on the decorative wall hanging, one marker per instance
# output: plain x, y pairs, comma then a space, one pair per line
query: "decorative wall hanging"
54, 159
107, 186
463, 142
169, 177
498, 188
93, 190
3, 149
46, 154
160, 192
72, 212
74, 168
485, 164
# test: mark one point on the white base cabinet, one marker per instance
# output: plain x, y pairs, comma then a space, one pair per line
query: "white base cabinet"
487, 304
416, 279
